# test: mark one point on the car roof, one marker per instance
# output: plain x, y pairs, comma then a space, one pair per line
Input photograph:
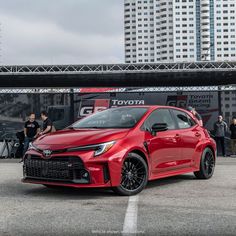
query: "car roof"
153, 107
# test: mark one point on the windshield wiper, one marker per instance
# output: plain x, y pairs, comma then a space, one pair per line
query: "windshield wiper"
91, 127
97, 127
70, 127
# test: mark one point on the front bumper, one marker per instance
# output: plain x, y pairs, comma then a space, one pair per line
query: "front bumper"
66, 169
74, 170
71, 185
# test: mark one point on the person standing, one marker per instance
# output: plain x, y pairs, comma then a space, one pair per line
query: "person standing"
220, 128
232, 129
47, 123
31, 131
196, 114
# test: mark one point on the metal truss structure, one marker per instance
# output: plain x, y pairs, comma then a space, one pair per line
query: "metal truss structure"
118, 68
118, 90
47, 90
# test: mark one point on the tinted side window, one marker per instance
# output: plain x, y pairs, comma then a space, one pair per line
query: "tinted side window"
160, 116
191, 121
183, 119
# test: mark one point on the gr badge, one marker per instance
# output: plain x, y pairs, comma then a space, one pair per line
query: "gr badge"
177, 101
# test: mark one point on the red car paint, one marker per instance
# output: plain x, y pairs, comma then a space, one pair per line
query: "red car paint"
169, 153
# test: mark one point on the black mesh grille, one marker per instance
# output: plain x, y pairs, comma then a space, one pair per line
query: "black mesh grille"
67, 169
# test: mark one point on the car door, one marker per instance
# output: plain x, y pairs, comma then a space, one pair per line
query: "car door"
164, 146
190, 134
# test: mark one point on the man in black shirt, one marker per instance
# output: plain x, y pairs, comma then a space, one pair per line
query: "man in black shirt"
233, 136
47, 123
31, 131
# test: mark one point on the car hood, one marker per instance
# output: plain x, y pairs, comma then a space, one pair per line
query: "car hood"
82, 137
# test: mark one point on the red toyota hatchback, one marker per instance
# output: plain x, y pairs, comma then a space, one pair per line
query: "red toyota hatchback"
122, 148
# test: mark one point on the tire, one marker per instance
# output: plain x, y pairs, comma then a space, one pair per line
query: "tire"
134, 175
207, 165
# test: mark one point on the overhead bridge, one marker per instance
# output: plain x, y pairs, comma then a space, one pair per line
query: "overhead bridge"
119, 75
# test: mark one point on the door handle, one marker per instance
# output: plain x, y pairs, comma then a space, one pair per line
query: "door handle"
198, 135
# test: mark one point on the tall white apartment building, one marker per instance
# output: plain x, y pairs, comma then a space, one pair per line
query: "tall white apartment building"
180, 30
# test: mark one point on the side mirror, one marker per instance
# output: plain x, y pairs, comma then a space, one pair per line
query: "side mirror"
158, 127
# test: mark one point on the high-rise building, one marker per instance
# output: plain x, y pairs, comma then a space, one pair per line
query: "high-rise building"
180, 30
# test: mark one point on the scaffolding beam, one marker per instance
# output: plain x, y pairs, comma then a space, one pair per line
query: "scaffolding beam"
118, 68
118, 90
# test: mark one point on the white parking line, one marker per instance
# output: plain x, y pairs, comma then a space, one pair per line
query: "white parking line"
131, 217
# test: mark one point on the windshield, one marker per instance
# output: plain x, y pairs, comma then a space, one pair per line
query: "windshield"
123, 117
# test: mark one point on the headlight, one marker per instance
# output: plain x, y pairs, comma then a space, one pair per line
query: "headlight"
32, 146
102, 148
99, 149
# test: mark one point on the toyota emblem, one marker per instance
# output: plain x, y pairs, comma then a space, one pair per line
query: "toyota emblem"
47, 153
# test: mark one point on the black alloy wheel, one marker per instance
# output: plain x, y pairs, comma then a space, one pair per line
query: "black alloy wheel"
207, 165
134, 175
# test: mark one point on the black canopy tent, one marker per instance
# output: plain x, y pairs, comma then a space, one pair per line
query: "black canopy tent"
119, 80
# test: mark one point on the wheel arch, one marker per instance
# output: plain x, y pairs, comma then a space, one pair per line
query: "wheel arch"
208, 145
202, 172
141, 154
138, 154
212, 149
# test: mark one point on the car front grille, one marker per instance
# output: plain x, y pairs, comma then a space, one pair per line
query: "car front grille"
65, 169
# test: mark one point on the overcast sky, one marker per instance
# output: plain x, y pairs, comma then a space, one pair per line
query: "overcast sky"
61, 31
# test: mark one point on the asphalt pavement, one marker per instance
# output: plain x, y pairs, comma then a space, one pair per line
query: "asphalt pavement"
179, 205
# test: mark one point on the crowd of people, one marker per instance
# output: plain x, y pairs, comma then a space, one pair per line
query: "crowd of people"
220, 131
